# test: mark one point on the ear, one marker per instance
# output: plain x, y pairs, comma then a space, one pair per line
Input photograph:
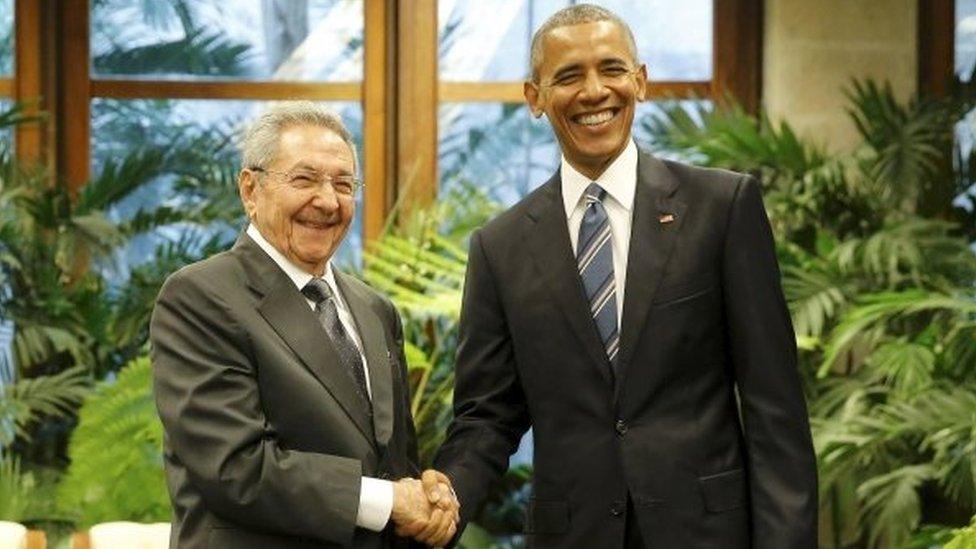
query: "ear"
533, 98
247, 188
641, 77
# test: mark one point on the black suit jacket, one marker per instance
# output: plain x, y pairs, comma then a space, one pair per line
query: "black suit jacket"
704, 321
266, 437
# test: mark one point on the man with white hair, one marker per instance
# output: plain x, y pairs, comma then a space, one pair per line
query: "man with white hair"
281, 381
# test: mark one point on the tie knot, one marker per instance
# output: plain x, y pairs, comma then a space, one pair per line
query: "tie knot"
317, 290
594, 193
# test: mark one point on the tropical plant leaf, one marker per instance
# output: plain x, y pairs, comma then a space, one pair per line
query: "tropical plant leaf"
27, 400
116, 470
892, 507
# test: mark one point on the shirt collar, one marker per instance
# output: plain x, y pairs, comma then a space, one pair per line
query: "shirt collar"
619, 180
297, 275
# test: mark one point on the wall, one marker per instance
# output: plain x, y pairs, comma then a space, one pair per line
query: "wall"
812, 49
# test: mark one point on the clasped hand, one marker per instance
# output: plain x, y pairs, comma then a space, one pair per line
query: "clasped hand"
426, 509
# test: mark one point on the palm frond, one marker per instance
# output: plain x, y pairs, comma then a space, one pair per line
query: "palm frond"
16, 489
865, 322
29, 399
814, 298
892, 508
116, 470
422, 277
118, 180
907, 143
907, 366
200, 52
728, 137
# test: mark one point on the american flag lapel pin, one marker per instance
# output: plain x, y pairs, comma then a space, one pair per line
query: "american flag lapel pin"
665, 218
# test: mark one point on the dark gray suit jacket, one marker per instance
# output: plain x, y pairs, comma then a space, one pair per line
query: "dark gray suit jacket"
704, 322
266, 437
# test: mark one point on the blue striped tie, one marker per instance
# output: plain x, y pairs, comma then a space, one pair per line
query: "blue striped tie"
594, 259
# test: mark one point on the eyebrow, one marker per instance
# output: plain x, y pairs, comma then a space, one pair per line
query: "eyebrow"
309, 167
562, 71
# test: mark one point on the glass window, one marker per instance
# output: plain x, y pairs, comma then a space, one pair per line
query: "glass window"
673, 38
501, 149
497, 147
6, 37
648, 110
289, 40
965, 37
6, 132
198, 140
965, 64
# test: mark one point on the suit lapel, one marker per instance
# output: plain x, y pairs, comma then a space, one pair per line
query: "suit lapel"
286, 310
548, 238
651, 244
371, 333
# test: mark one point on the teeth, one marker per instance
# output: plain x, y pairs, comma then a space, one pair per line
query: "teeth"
597, 118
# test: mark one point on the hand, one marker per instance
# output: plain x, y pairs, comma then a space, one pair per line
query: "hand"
414, 515
440, 492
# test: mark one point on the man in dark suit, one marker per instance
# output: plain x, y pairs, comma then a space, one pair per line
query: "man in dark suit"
630, 312
281, 381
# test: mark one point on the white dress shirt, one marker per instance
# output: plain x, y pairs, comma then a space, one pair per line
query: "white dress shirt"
620, 182
375, 495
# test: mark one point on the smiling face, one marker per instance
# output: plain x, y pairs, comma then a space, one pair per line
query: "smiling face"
306, 226
588, 88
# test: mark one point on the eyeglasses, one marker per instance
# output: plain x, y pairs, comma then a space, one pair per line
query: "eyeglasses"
576, 79
306, 180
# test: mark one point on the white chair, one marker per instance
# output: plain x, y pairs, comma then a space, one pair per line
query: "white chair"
17, 536
12, 535
127, 535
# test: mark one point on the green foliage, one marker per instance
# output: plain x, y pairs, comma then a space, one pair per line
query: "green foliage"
116, 470
24, 402
16, 490
878, 272
964, 538
420, 263
28, 494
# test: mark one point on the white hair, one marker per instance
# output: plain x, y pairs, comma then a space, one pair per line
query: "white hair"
259, 142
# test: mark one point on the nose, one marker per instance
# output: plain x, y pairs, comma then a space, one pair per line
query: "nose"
326, 198
593, 87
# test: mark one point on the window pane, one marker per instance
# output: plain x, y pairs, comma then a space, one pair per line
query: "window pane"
292, 40
965, 65
673, 38
497, 147
6, 132
646, 111
502, 150
965, 37
6, 37
198, 138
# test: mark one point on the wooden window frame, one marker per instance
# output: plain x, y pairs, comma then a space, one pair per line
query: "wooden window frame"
400, 92
736, 73
936, 47
77, 88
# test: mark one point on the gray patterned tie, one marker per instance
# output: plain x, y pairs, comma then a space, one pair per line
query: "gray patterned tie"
594, 259
325, 307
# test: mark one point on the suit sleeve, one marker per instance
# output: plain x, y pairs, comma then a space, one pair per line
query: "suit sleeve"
410, 430
208, 400
490, 414
781, 463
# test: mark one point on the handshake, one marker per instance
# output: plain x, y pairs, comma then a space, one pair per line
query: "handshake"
426, 509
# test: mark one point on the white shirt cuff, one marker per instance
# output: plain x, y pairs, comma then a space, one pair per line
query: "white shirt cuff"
375, 504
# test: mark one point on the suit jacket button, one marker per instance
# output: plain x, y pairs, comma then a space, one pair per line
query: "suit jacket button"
621, 427
617, 509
